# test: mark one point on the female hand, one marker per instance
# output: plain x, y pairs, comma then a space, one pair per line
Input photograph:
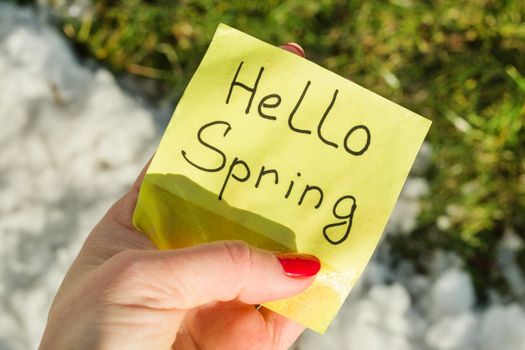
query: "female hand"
122, 293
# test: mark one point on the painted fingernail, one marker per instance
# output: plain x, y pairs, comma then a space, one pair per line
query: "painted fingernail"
296, 48
299, 265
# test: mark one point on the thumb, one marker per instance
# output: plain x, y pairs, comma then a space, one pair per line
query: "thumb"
220, 271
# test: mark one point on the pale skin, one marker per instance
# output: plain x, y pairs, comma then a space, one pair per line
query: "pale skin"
123, 293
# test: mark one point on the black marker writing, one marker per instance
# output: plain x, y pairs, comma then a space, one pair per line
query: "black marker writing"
205, 144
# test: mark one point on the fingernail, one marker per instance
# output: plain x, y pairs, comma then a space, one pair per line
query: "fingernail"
299, 265
296, 48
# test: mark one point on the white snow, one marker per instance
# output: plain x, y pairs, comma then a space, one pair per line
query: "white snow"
503, 328
453, 332
451, 294
72, 141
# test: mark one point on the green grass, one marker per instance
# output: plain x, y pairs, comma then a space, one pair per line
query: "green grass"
459, 63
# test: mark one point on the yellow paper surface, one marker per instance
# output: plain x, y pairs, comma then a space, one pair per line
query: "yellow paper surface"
339, 139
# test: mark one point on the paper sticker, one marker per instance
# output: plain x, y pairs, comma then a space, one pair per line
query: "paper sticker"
270, 148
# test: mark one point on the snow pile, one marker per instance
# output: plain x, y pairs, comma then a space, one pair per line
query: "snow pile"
71, 142
451, 294
384, 309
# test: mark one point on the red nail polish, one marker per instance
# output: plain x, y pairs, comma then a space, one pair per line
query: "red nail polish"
296, 47
299, 265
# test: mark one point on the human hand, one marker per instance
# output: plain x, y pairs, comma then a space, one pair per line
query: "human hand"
122, 293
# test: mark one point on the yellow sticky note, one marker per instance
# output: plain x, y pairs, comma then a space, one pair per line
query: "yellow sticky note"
272, 149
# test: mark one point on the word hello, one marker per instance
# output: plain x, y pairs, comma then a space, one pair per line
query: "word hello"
273, 101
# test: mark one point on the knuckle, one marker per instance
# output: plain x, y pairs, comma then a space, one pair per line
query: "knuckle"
126, 265
138, 278
126, 280
239, 252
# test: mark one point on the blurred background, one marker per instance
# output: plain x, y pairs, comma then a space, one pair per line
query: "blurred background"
87, 87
